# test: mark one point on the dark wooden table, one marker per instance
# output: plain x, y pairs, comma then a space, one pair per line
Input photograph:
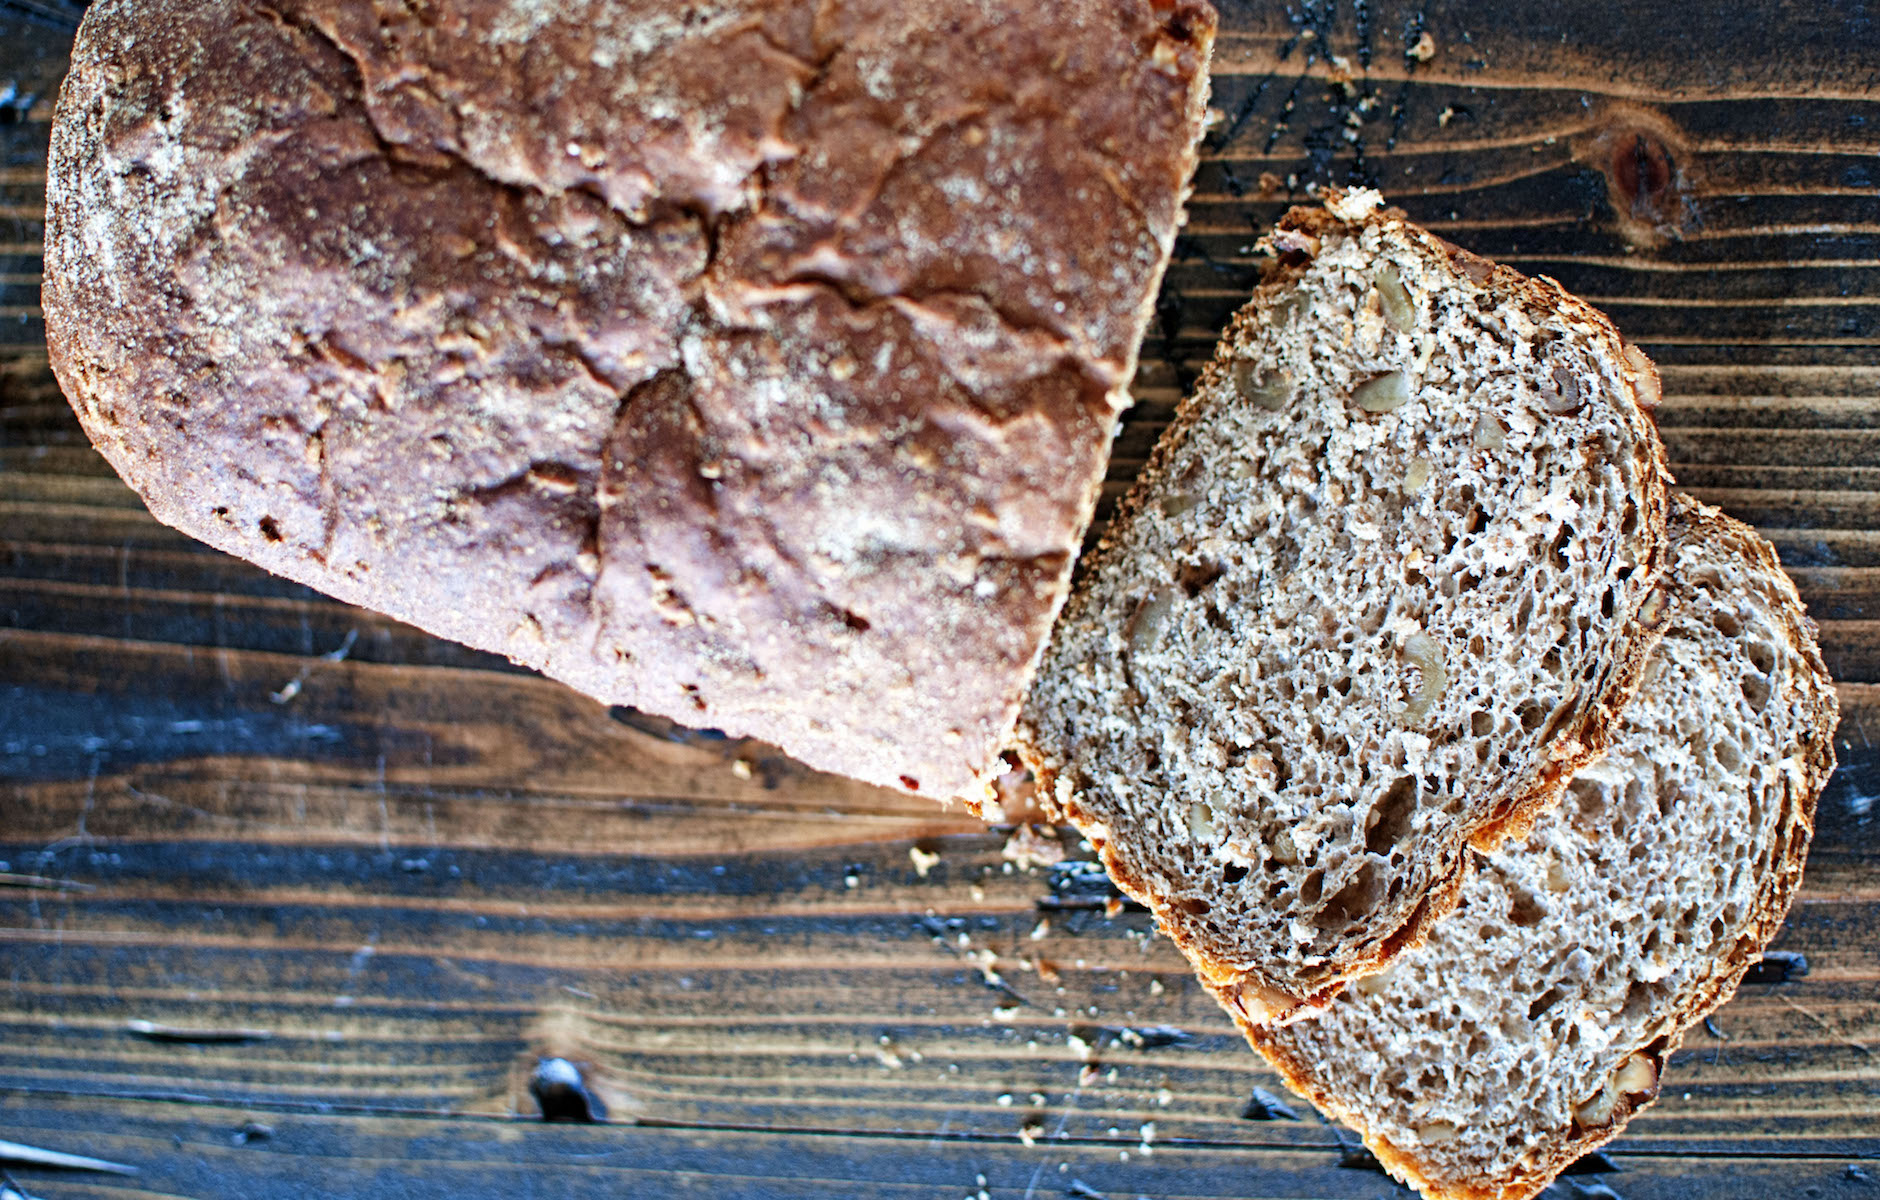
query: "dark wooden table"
358, 882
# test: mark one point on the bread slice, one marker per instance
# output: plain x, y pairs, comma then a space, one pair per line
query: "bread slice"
1381, 590
1537, 1019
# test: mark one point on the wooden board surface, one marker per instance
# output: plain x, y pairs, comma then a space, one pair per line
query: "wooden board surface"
229, 805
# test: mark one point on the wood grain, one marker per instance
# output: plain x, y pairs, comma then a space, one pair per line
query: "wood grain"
403, 871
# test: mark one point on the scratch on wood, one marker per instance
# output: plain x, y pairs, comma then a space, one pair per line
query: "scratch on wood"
44, 883
1824, 1025
33, 1156
154, 1032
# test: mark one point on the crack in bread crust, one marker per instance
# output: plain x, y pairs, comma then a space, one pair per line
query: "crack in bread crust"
791, 291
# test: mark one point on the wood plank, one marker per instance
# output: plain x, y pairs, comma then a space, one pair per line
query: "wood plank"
420, 1157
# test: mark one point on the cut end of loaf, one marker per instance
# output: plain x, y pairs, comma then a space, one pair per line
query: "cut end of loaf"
1537, 1018
1377, 591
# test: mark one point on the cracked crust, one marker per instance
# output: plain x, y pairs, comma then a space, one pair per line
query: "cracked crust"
752, 363
1194, 805
1738, 656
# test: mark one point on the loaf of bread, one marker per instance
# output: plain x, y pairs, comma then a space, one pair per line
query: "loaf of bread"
1381, 590
751, 362
1538, 1017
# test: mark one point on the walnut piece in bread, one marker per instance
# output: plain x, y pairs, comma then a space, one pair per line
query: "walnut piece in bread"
751, 362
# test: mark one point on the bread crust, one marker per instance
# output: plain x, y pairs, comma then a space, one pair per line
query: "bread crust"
1576, 744
1690, 522
751, 362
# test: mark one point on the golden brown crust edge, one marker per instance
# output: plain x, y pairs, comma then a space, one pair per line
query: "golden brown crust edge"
1574, 748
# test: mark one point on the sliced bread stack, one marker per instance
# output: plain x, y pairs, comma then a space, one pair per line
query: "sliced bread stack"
1384, 592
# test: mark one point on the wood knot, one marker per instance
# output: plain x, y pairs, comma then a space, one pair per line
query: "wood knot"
1641, 169
1650, 184
560, 1090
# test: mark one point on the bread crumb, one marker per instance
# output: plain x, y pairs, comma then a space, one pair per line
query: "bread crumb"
886, 1056
1425, 49
741, 767
1356, 204
923, 860
1029, 846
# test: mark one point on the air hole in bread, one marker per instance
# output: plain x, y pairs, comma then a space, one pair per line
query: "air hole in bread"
1726, 623
1557, 552
1524, 910
1451, 535
1756, 691
1761, 656
1543, 1002
1391, 817
1351, 902
1524, 612
1313, 888
1196, 576
1561, 715
1233, 873
269, 529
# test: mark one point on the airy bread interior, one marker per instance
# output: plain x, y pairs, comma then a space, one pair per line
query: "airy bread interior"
1538, 1016
1378, 593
